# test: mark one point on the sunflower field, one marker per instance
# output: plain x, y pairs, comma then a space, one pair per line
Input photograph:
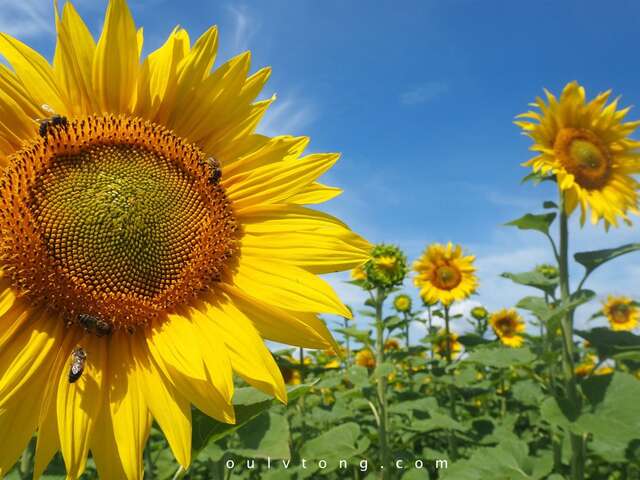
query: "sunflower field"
163, 312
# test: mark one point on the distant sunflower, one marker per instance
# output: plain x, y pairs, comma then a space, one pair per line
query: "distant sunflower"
402, 303
391, 344
365, 358
444, 274
150, 238
507, 324
586, 146
440, 344
622, 313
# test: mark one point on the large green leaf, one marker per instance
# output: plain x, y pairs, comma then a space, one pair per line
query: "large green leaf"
533, 279
536, 305
540, 223
248, 404
363, 336
609, 343
501, 357
265, 436
592, 260
507, 461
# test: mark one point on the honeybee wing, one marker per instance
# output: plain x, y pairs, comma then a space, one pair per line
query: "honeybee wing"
47, 109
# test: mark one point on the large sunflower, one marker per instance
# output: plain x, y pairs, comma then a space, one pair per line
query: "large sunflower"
444, 274
622, 313
148, 233
586, 146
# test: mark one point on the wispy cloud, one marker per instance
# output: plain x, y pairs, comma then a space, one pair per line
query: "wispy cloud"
26, 18
424, 93
244, 25
290, 115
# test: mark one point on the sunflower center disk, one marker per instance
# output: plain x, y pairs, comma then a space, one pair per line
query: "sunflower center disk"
620, 314
447, 277
122, 221
584, 156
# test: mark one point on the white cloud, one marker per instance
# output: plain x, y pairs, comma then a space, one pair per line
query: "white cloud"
244, 27
289, 116
424, 93
26, 18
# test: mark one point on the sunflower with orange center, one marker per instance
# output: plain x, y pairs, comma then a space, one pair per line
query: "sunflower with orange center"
585, 145
150, 241
365, 358
622, 313
445, 274
507, 325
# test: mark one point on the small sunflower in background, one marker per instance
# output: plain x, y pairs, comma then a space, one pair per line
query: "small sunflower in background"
402, 303
441, 341
586, 146
365, 358
391, 344
150, 241
387, 267
507, 325
444, 274
622, 313
479, 312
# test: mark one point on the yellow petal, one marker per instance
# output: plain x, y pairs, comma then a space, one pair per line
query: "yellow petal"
171, 410
78, 405
129, 414
292, 328
104, 446
314, 194
115, 64
249, 356
183, 364
34, 72
73, 60
277, 182
287, 286
275, 150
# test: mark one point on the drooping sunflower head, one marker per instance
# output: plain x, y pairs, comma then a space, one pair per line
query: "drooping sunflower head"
386, 269
402, 303
444, 274
365, 358
622, 313
150, 237
586, 146
507, 325
442, 342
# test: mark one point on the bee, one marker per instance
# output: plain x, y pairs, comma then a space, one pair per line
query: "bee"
95, 325
78, 358
214, 170
53, 121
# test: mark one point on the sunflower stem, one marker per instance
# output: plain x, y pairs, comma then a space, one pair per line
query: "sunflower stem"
348, 343
381, 385
571, 386
453, 446
24, 469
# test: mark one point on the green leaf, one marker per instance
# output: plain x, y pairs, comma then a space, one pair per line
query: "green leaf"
536, 178
574, 301
533, 279
248, 404
540, 223
549, 204
437, 421
427, 404
536, 305
363, 336
383, 370
341, 442
472, 340
265, 436
358, 375
501, 357
609, 343
509, 460
592, 260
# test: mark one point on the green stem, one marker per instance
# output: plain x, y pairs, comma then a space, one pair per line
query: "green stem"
348, 342
453, 447
407, 325
571, 386
381, 385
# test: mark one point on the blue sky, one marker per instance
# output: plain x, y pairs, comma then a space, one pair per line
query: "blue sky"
419, 96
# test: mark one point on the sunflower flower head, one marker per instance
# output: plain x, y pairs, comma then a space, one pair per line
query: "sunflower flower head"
365, 358
586, 146
402, 303
444, 274
150, 241
507, 325
549, 271
479, 312
392, 344
622, 313
386, 269
441, 342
